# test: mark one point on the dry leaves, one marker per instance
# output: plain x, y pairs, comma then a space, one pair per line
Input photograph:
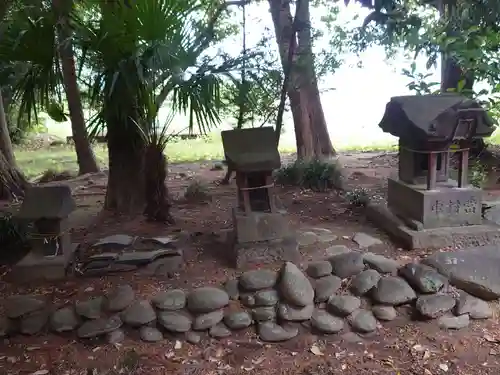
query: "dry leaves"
490, 338
316, 350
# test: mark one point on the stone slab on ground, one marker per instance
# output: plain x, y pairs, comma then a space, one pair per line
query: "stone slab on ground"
382, 217
141, 258
117, 241
476, 270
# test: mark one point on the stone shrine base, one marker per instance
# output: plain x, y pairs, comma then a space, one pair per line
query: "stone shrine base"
249, 254
472, 235
37, 267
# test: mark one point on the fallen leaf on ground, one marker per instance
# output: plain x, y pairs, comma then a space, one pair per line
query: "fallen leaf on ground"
40, 372
490, 338
316, 350
443, 367
258, 361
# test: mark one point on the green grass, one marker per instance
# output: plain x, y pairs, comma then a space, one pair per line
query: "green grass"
34, 162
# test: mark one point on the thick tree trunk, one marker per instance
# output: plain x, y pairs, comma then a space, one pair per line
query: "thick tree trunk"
157, 199
311, 132
12, 181
85, 155
125, 192
322, 143
453, 74
5, 142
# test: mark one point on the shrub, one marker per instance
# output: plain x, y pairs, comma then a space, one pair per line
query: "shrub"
52, 175
197, 191
358, 197
478, 174
12, 231
315, 175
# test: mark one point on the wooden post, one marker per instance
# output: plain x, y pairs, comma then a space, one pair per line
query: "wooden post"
463, 168
432, 171
246, 195
271, 194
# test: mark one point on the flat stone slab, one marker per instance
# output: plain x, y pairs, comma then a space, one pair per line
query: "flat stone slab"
486, 234
140, 258
474, 270
116, 241
166, 241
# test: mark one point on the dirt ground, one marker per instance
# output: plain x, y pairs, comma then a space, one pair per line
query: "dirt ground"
402, 347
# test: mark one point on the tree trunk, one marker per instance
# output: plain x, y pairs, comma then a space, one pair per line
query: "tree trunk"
157, 200
12, 181
85, 155
5, 142
125, 190
311, 132
322, 144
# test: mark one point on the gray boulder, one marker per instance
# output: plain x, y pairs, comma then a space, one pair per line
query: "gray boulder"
272, 332
474, 270
325, 322
266, 298
18, 306
91, 308
205, 321
295, 286
263, 314
422, 278
171, 300
393, 291
434, 305
120, 298
319, 269
64, 320
207, 299
386, 313
138, 313
174, 321
326, 287
363, 321
380, 263
475, 307
347, 264
99, 327
258, 279
295, 314
343, 305
364, 282
238, 320
453, 322
150, 334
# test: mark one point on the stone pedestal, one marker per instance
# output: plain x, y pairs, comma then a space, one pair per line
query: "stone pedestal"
411, 237
37, 267
445, 206
262, 237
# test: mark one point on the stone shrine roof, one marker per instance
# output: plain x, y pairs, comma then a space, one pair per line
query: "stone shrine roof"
427, 118
251, 150
47, 202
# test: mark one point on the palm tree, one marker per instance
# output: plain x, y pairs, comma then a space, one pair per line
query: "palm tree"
12, 181
136, 57
39, 36
85, 155
139, 57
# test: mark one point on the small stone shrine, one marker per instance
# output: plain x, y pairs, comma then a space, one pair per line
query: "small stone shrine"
47, 208
425, 207
261, 232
